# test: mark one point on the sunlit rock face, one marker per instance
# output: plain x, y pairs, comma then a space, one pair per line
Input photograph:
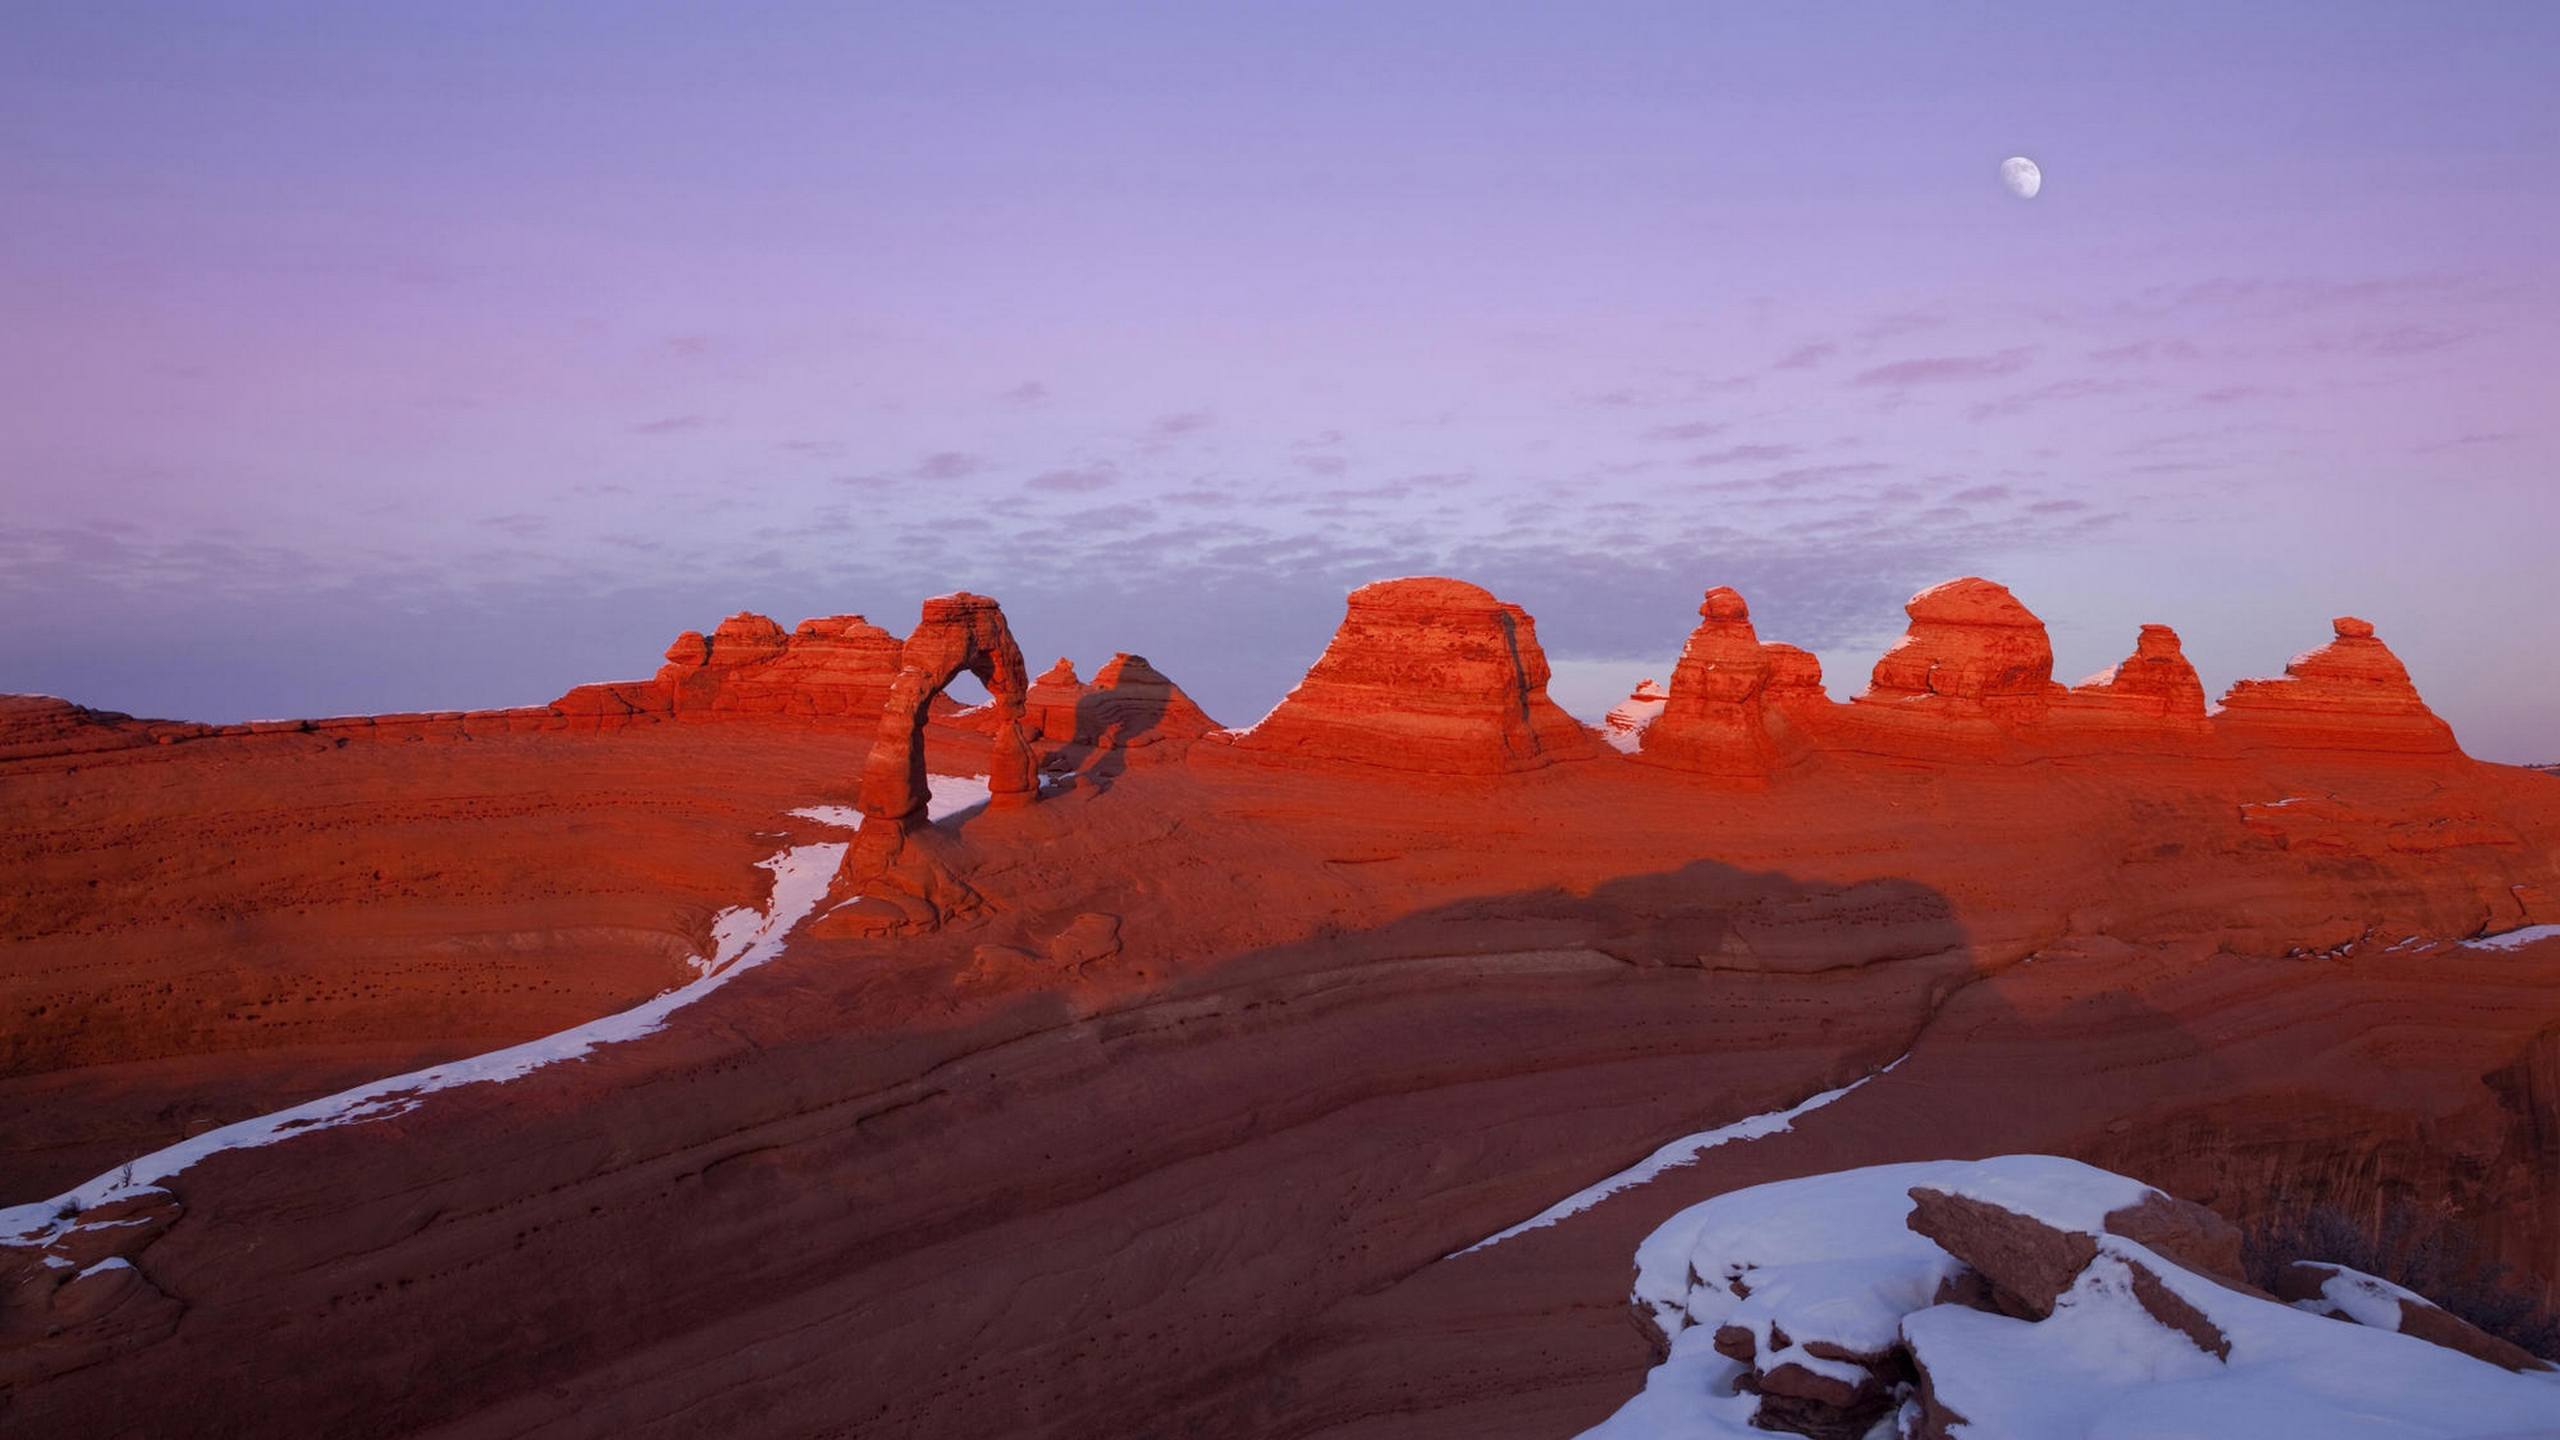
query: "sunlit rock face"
2351, 694
1348, 994
1429, 676
1971, 647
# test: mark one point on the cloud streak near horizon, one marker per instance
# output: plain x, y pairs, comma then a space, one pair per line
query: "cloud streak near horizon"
334, 393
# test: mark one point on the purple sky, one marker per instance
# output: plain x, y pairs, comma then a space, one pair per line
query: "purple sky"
367, 357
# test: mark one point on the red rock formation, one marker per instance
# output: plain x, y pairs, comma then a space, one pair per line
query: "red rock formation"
40, 726
1425, 675
1972, 648
2351, 694
2028, 1263
1714, 723
1049, 706
1132, 705
835, 666
196, 932
958, 632
1212, 1011
1795, 676
2154, 683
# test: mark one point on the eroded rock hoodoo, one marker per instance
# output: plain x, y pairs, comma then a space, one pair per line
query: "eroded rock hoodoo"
1971, 648
2156, 682
1425, 675
1049, 707
1715, 720
2351, 694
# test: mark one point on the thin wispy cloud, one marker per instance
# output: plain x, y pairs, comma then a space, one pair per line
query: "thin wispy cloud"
1945, 369
1081, 479
948, 465
1688, 430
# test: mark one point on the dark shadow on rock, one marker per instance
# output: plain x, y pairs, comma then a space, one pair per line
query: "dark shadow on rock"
1127, 708
1359, 1100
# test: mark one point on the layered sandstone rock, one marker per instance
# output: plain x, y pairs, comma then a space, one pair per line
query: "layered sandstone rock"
1425, 675
1517, 1037
1049, 706
1131, 705
1795, 676
1713, 723
831, 667
1369, 1024
957, 633
2351, 694
2156, 682
1971, 648
900, 874
41, 726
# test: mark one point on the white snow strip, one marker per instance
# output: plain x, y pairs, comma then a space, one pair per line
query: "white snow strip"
112, 1262
2514, 939
742, 939
843, 817
1683, 1151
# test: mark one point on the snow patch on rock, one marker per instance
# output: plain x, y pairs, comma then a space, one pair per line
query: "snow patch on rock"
1624, 726
1683, 1151
2514, 939
1823, 1274
2365, 1299
742, 938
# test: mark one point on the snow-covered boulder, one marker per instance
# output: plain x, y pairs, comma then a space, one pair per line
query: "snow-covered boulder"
2015, 1298
2343, 1294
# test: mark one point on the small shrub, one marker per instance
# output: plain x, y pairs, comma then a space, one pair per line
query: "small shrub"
2419, 1250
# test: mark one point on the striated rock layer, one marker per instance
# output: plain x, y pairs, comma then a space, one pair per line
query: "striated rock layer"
1192, 1122
1713, 721
1132, 705
2155, 683
1971, 648
1425, 675
832, 667
1049, 705
2351, 695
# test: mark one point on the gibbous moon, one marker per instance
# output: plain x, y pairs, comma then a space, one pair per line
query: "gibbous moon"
2021, 176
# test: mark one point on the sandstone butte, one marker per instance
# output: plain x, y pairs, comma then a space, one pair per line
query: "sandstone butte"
1173, 1096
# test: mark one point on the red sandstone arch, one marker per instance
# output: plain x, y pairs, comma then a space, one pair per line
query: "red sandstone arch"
957, 632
